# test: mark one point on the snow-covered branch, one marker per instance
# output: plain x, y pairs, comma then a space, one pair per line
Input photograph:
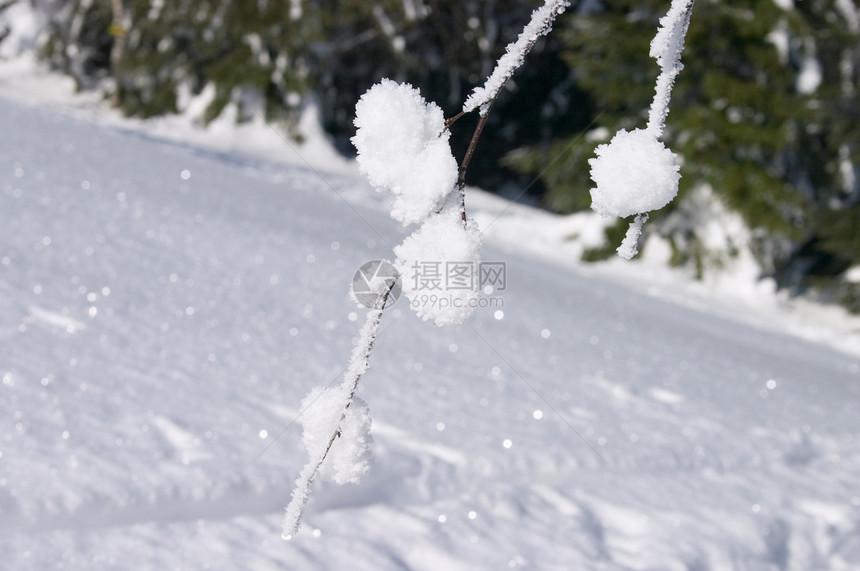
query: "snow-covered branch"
403, 148
635, 172
337, 425
666, 48
540, 25
402, 144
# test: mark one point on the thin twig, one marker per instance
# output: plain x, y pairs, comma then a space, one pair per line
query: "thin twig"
450, 121
461, 178
309, 472
484, 97
515, 53
301, 494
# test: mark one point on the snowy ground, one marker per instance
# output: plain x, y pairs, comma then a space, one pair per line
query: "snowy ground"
164, 308
735, 292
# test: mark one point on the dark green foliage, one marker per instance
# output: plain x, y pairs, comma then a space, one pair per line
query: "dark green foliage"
847, 294
774, 153
769, 150
614, 235
330, 51
78, 42
245, 50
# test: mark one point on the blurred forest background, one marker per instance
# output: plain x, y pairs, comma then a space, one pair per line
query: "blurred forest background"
765, 114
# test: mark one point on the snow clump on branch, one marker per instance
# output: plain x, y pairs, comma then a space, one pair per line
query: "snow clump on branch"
403, 147
636, 173
429, 258
349, 457
402, 143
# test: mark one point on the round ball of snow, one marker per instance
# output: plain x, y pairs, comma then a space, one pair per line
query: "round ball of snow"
403, 147
634, 173
438, 265
392, 119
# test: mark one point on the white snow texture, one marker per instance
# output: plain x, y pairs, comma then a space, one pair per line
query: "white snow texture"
539, 25
403, 147
442, 241
634, 173
127, 443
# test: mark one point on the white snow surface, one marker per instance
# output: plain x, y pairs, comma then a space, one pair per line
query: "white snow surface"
634, 173
164, 307
403, 147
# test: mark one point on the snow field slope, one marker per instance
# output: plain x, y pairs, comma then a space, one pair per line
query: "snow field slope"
164, 309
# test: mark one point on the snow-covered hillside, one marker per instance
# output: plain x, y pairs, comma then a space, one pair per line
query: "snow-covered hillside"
164, 309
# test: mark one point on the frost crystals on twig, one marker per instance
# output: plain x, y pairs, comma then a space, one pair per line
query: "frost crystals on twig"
338, 426
402, 144
540, 25
666, 48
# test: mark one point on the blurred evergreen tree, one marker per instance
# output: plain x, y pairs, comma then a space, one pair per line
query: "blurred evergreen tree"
282, 54
4, 28
77, 40
765, 113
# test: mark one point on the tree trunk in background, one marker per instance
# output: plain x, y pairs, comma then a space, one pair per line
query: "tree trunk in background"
118, 32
